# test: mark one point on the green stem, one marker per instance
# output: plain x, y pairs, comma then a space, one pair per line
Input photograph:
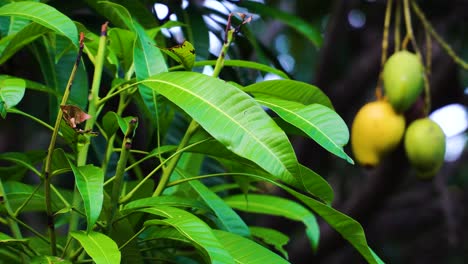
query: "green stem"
92, 109
110, 142
120, 170
192, 128
132, 238
50, 150
129, 195
222, 56
94, 93
20, 208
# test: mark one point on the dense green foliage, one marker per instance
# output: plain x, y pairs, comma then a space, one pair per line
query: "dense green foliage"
177, 197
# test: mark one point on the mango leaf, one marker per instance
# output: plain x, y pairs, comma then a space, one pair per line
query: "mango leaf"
290, 90
101, 248
347, 227
229, 219
117, 14
241, 64
44, 15
183, 53
307, 179
244, 250
6, 240
49, 260
271, 237
90, 181
121, 42
110, 123
18, 193
272, 205
56, 75
148, 61
315, 184
59, 162
12, 43
11, 93
319, 122
232, 117
303, 27
12, 25
23, 161
156, 232
172, 200
197, 231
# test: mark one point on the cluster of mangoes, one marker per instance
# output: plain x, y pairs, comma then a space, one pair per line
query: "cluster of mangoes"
379, 126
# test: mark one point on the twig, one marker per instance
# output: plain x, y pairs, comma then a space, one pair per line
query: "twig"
120, 170
92, 108
50, 150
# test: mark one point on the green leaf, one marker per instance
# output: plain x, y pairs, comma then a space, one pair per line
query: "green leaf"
90, 182
290, 90
315, 184
121, 43
6, 240
232, 117
183, 54
303, 27
240, 64
59, 162
12, 25
44, 15
347, 227
12, 43
272, 205
307, 179
23, 160
49, 260
99, 247
11, 91
148, 60
271, 237
18, 193
229, 219
110, 123
172, 200
245, 250
56, 75
319, 122
192, 228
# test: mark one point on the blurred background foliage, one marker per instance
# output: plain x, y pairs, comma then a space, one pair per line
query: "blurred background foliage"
406, 220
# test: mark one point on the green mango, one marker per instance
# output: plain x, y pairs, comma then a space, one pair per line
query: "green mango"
425, 147
403, 79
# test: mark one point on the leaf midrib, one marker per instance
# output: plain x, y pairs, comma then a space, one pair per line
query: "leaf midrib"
302, 118
223, 113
